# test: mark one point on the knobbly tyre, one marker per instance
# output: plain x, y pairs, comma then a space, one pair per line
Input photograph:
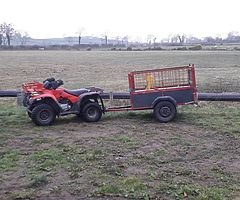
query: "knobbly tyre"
44, 101
161, 90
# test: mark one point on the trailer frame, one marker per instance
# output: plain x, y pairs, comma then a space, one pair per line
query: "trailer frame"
174, 84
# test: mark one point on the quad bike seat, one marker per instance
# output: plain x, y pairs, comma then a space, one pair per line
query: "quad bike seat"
77, 92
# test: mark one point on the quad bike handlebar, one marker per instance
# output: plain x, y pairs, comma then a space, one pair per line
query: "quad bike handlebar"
51, 83
49, 79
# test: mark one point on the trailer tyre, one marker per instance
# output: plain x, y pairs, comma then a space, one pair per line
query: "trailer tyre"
43, 115
165, 111
92, 112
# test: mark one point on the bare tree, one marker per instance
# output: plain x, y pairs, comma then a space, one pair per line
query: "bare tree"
233, 36
22, 38
209, 40
150, 37
125, 40
117, 38
169, 39
154, 42
181, 38
174, 39
2, 35
192, 40
80, 31
7, 32
106, 40
1, 38
17, 38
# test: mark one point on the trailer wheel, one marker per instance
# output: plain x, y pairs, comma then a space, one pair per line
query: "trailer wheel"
92, 112
43, 115
165, 111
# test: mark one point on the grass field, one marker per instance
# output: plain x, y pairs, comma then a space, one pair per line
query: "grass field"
125, 155
216, 70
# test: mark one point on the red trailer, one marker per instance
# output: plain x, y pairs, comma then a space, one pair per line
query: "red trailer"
161, 90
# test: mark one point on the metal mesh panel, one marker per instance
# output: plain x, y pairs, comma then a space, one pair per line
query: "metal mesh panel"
162, 78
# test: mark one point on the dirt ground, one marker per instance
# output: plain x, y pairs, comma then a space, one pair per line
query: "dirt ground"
125, 155
122, 156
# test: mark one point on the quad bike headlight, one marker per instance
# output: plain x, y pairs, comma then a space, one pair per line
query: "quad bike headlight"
34, 94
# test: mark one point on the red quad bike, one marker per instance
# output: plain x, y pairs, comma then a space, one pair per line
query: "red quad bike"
45, 101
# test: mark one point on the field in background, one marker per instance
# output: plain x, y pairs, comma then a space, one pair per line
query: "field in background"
125, 155
216, 70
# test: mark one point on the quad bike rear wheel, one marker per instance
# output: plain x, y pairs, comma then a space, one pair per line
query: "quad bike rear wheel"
43, 115
91, 112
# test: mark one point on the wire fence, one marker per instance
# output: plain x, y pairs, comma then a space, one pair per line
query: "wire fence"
175, 77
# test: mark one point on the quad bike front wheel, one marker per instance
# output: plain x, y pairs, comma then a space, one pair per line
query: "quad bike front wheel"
91, 112
43, 115
29, 114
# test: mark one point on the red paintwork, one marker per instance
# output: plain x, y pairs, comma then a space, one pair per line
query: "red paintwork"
59, 93
125, 109
194, 84
161, 90
172, 73
161, 69
56, 94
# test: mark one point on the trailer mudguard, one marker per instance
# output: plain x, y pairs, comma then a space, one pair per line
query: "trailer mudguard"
164, 98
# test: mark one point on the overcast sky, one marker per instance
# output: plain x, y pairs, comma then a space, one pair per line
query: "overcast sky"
135, 18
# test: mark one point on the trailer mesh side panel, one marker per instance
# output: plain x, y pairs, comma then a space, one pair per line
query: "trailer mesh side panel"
162, 78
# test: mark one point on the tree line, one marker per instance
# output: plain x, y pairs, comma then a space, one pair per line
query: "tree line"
232, 37
9, 34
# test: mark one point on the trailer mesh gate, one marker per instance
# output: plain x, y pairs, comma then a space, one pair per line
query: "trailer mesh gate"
162, 78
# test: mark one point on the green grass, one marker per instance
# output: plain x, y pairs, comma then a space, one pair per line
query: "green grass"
117, 165
46, 160
109, 190
194, 192
12, 116
103, 162
223, 118
126, 141
72, 159
8, 160
114, 170
129, 187
38, 181
42, 140
138, 115
29, 194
